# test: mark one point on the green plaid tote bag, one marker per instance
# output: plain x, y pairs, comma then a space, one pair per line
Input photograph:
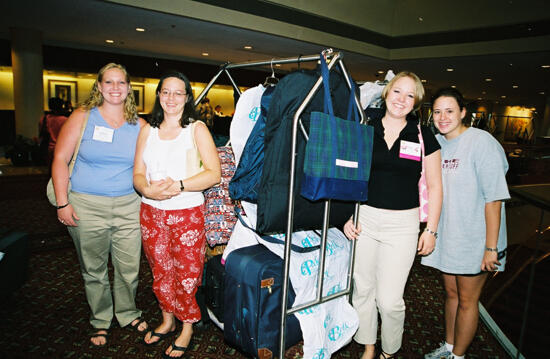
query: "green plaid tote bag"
338, 152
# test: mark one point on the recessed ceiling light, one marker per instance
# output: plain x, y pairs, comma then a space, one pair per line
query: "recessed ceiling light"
277, 65
545, 66
380, 72
488, 79
424, 81
110, 41
453, 86
205, 54
140, 29
503, 96
420, 18
541, 93
480, 98
515, 86
248, 47
450, 69
484, 93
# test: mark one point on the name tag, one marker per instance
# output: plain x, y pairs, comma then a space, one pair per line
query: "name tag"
344, 163
103, 134
409, 150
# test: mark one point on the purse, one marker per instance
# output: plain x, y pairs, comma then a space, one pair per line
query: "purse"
422, 186
193, 158
338, 152
50, 192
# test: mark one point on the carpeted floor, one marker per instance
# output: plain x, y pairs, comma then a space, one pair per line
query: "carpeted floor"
48, 316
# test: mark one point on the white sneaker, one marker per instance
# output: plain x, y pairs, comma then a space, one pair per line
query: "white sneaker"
440, 353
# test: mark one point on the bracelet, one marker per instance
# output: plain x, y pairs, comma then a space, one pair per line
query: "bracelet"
181, 186
63, 206
431, 232
491, 249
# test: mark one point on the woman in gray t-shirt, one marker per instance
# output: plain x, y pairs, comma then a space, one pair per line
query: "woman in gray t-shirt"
472, 227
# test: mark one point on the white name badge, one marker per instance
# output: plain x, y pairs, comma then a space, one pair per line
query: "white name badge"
409, 150
103, 134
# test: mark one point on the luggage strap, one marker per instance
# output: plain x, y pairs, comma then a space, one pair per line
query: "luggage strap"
272, 239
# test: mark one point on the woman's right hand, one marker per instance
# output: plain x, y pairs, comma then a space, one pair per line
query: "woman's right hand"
161, 190
67, 216
350, 230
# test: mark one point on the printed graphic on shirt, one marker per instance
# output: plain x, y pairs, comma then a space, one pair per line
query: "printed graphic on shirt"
449, 166
254, 113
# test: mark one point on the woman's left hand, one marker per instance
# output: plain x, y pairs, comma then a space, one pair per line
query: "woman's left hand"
426, 244
490, 261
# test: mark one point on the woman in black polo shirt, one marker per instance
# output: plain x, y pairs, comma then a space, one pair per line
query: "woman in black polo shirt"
389, 221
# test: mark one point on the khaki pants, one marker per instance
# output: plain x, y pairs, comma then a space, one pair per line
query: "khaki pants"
384, 256
108, 225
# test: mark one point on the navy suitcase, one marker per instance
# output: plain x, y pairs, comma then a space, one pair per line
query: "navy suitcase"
252, 310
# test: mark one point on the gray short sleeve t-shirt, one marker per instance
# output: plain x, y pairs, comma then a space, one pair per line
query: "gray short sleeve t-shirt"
473, 167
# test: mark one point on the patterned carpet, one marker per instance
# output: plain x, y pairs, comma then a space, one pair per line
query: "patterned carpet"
48, 316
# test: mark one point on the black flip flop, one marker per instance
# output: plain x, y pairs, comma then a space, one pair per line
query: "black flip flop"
96, 333
135, 327
161, 337
176, 348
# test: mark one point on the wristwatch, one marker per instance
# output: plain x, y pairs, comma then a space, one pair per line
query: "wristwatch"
182, 187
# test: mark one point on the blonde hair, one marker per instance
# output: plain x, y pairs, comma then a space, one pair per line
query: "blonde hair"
96, 98
419, 88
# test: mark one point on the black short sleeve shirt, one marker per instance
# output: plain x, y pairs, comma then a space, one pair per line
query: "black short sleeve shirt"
393, 182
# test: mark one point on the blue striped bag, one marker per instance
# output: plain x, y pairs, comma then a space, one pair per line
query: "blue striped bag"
338, 152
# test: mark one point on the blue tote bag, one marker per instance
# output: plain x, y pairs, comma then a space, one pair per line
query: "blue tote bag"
338, 152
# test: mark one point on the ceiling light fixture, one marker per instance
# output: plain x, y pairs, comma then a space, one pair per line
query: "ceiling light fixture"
483, 93
488, 80
503, 96
380, 72
515, 86
248, 47
424, 81
450, 69
480, 98
545, 66
110, 41
453, 86
140, 29
277, 65
205, 54
541, 93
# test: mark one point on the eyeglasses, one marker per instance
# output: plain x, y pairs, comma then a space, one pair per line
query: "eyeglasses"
166, 93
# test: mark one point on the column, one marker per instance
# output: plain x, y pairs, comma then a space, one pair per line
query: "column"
28, 88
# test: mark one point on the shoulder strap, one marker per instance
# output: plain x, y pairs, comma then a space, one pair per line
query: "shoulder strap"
75, 154
421, 140
271, 239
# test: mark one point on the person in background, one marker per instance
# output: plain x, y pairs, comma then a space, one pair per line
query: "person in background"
472, 231
172, 208
101, 211
205, 112
218, 111
50, 126
389, 223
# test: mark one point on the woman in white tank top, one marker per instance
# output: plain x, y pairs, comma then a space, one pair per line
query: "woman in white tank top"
176, 160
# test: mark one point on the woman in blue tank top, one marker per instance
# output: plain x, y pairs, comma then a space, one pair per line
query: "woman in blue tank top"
101, 209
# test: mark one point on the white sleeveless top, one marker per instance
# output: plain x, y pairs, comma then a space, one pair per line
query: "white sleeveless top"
169, 157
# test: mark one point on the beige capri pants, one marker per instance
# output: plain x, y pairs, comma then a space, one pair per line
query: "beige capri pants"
108, 225
384, 255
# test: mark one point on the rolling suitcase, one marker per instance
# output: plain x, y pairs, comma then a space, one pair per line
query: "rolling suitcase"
252, 310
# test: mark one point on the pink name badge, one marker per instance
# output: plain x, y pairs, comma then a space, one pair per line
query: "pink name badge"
409, 150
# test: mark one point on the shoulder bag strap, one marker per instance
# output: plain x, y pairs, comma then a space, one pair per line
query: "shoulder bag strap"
75, 155
421, 140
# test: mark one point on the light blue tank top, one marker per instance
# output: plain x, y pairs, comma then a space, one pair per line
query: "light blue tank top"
105, 168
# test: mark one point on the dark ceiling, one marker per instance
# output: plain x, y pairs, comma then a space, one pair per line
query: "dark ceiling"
86, 24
